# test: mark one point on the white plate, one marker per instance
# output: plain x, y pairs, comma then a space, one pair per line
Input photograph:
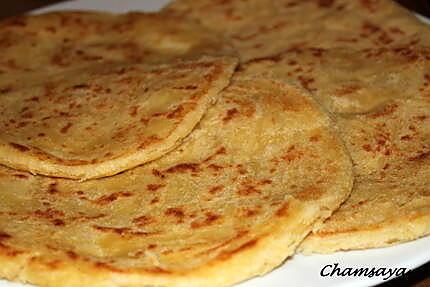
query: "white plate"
299, 270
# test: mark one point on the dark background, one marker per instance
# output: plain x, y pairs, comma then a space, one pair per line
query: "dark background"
421, 6
417, 278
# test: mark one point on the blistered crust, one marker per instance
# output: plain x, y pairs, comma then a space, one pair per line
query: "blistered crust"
101, 120
195, 217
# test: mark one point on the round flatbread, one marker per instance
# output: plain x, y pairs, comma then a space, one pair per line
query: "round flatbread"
61, 40
355, 57
262, 167
259, 29
347, 81
390, 202
381, 97
102, 119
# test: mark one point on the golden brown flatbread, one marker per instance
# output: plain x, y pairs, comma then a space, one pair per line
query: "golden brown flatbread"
348, 81
263, 28
262, 167
390, 202
60, 40
102, 119
382, 100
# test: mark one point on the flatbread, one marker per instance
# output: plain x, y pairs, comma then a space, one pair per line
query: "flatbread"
350, 81
355, 57
102, 119
60, 40
381, 100
390, 202
262, 167
261, 29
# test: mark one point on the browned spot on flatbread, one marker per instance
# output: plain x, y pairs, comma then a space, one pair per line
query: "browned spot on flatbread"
52, 264
424, 192
107, 199
421, 156
72, 255
4, 236
106, 266
19, 147
148, 141
27, 115
58, 222
122, 231
315, 138
183, 167
367, 147
216, 189
152, 246
306, 82
406, 138
176, 212
265, 181
283, 210
143, 220
52, 188
347, 89
80, 86
157, 270
23, 176
5, 90
248, 189
387, 110
133, 111
9, 251
369, 28
210, 218
250, 211
292, 154
108, 154
158, 173
317, 52
231, 113
176, 113
325, 3
49, 213
228, 254
309, 193
421, 118
66, 128
155, 200
215, 167
369, 5
154, 187
241, 169
220, 151
240, 234
187, 87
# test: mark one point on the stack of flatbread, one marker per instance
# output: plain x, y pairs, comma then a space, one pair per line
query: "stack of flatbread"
207, 143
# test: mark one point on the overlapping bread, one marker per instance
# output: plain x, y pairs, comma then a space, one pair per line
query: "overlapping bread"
248, 184
381, 101
100, 120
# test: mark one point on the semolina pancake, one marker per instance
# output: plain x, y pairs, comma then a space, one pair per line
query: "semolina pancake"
347, 81
57, 41
381, 101
390, 202
259, 171
259, 29
99, 120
